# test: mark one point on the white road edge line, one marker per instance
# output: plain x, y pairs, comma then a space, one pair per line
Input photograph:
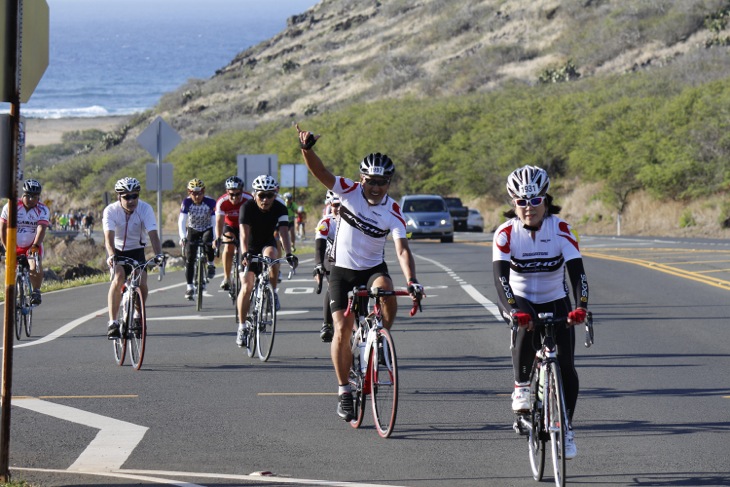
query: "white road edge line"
468, 288
108, 450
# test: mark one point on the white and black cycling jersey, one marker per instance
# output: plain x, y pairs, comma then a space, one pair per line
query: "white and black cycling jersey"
363, 228
537, 258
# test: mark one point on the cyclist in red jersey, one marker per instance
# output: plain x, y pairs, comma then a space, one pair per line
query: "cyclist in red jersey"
227, 208
33, 218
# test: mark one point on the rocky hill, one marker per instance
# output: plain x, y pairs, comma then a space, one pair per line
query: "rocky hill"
342, 52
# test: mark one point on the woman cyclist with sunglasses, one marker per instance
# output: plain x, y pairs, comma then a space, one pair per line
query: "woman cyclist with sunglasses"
530, 254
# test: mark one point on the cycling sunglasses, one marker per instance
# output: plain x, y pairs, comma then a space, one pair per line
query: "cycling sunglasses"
523, 203
130, 197
377, 182
235, 195
266, 196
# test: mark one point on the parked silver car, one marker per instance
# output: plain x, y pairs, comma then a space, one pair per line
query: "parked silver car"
427, 216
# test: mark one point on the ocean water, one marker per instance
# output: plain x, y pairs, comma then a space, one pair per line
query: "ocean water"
116, 57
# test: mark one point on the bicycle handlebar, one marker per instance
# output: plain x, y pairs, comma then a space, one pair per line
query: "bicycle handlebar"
135, 264
376, 293
545, 318
268, 261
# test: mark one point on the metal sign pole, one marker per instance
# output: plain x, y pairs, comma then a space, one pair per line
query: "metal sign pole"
15, 17
159, 180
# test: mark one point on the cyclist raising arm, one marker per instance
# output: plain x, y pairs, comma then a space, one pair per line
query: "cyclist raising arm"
367, 216
227, 208
33, 219
530, 254
258, 219
125, 223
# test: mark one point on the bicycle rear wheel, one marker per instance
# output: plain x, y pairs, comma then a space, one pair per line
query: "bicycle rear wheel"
266, 329
199, 282
536, 435
383, 367
356, 383
137, 330
120, 344
555, 416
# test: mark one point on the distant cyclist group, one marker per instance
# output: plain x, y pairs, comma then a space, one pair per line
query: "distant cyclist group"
532, 253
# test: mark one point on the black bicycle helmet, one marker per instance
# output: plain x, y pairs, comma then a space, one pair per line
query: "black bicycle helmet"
31, 186
377, 165
234, 182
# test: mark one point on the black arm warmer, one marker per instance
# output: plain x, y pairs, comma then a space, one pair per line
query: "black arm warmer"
501, 272
320, 248
579, 281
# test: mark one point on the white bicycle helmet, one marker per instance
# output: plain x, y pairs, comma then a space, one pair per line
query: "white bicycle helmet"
265, 183
234, 182
31, 186
127, 185
377, 165
528, 182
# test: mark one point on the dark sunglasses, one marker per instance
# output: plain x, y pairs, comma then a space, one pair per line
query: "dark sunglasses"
335, 205
235, 195
196, 193
31, 196
536, 201
266, 196
130, 197
377, 182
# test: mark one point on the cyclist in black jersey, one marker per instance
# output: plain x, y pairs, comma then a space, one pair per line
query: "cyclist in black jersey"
258, 219
530, 254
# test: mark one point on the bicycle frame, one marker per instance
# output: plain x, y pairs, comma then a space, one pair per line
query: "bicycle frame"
262, 309
24, 288
369, 334
132, 300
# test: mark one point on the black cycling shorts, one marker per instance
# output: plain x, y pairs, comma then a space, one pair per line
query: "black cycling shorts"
343, 280
136, 254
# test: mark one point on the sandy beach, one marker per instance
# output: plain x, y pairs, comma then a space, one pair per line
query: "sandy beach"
44, 131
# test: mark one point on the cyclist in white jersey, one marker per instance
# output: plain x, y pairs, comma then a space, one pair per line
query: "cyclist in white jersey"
324, 240
531, 253
367, 216
33, 218
127, 223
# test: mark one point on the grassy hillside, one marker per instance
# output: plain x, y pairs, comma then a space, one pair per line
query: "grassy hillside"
630, 98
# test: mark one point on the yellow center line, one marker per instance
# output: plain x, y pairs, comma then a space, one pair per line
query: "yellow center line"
693, 276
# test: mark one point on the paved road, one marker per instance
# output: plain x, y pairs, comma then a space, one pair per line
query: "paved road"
652, 411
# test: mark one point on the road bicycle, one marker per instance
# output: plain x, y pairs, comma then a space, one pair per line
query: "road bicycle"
131, 315
547, 419
200, 277
374, 369
23, 291
261, 320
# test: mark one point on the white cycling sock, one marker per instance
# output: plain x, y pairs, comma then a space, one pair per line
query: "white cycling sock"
344, 389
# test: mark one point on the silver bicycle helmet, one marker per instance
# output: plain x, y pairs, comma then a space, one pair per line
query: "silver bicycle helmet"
528, 182
234, 182
31, 186
127, 185
377, 165
265, 183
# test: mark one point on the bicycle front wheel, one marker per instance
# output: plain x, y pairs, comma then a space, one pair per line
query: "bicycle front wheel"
234, 282
19, 306
383, 368
120, 344
266, 326
199, 282
536, 436
555, 420
27, 307
355, 378
137, 329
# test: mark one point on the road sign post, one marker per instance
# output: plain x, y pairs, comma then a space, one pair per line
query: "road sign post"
159, 139
23, 60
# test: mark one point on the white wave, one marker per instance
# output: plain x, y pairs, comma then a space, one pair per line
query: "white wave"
83, 112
